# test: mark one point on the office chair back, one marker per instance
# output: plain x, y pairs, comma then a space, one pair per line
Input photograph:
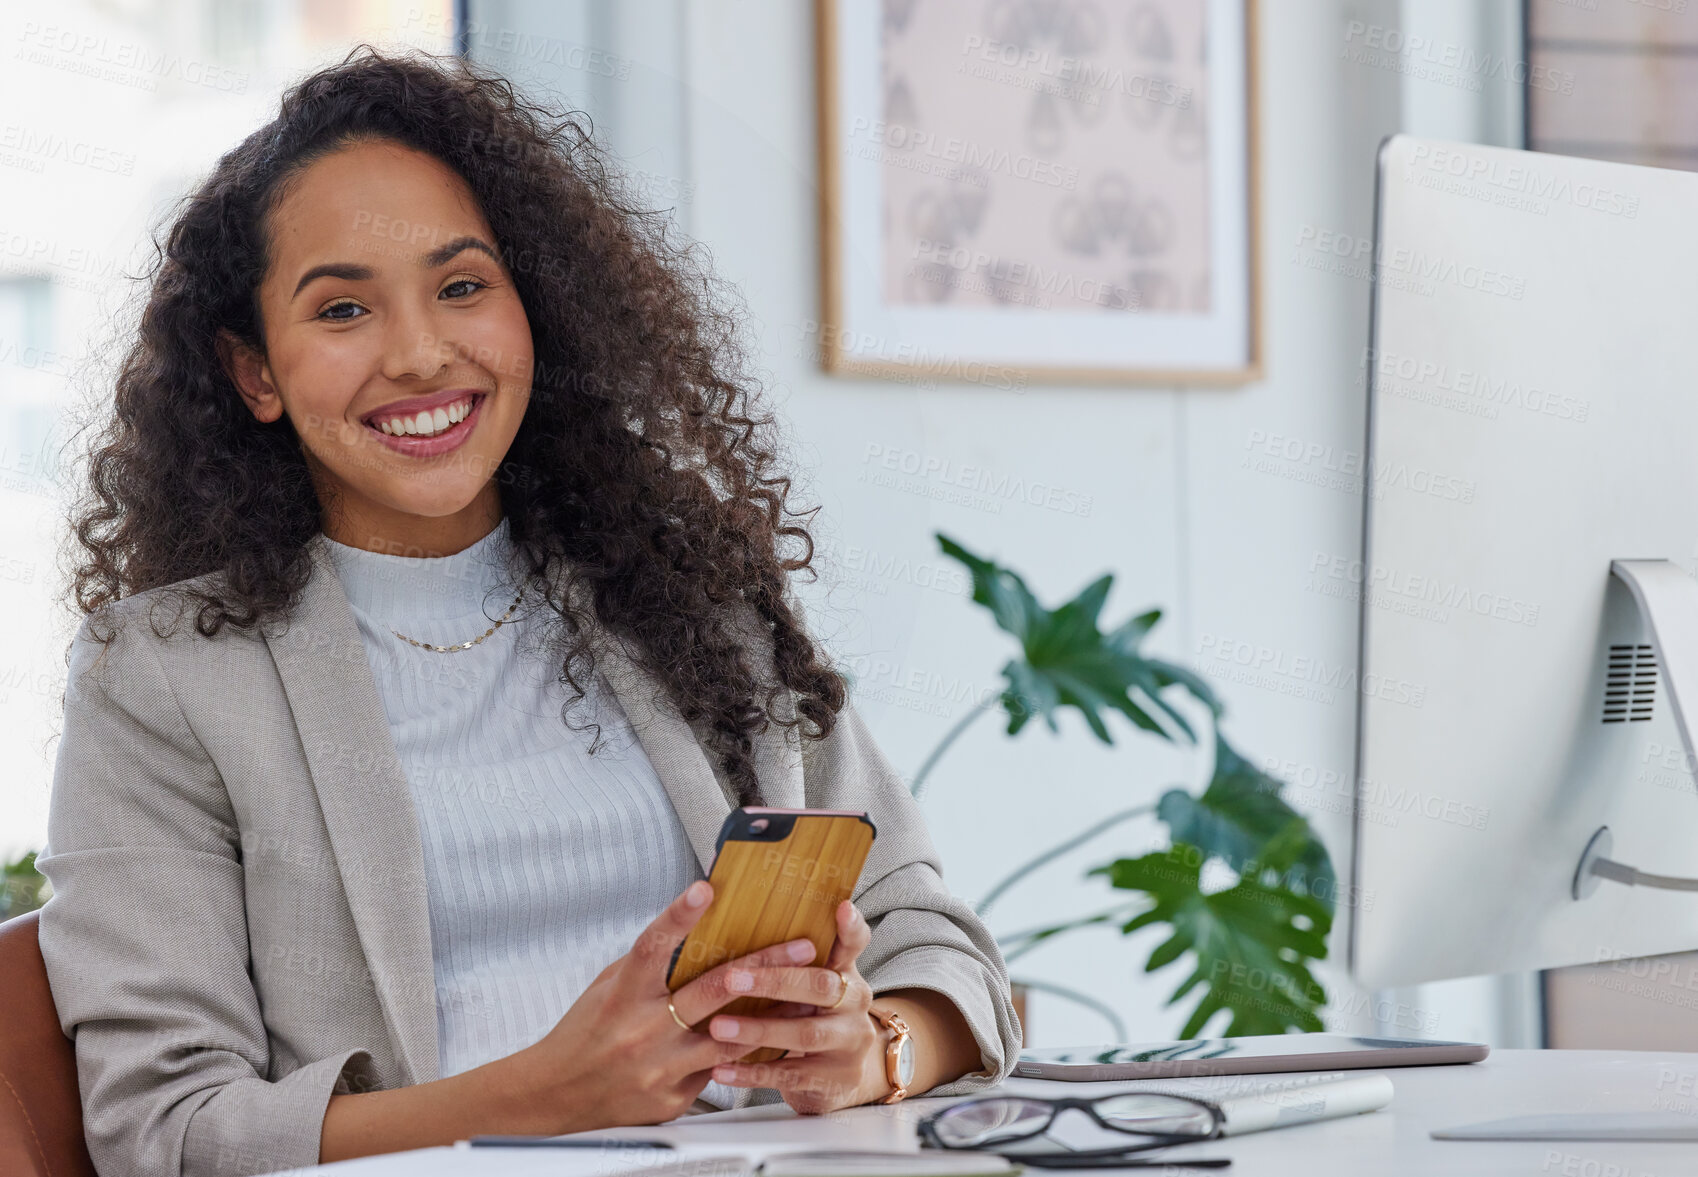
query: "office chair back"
41, 1111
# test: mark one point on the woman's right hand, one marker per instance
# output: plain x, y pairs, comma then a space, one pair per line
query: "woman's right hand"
617, 1056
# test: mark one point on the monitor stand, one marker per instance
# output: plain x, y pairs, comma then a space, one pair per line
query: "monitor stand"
1668, 601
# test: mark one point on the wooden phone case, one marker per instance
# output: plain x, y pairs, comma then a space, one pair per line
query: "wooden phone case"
778, 875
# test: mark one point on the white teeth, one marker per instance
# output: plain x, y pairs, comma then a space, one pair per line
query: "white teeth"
428, 422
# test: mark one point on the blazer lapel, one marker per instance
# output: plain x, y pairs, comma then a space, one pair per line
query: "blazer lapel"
367, 804
700, 795
697, 795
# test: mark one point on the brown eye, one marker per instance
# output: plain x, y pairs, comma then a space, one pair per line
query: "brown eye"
472, 282
326, 315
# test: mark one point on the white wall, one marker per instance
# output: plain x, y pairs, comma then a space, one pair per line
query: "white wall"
713, 100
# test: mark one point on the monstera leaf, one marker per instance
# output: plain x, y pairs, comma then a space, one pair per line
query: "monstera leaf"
1068, 661
22, 888
1239, 815
1249, 944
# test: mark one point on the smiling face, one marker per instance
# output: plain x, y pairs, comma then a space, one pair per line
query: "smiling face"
396, 343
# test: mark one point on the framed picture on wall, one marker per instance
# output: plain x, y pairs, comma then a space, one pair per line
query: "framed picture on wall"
1016, 192
1616, 82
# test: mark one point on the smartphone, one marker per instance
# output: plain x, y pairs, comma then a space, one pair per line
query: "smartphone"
778, 875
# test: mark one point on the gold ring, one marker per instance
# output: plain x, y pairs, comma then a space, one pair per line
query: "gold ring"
682, 1024
845, 993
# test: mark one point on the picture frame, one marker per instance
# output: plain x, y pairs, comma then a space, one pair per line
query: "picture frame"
1611, 82
983, 214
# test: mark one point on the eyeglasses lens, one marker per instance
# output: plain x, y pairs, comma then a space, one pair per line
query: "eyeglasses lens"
986, 1121
1160, 1115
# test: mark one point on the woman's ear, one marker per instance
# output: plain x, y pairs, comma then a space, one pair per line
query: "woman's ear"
251, 375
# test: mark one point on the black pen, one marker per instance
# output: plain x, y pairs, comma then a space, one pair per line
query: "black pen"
560, 1142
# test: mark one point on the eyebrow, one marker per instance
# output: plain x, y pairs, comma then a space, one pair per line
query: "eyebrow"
354, 272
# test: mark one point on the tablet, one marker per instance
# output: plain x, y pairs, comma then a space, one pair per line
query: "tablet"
1240, 1056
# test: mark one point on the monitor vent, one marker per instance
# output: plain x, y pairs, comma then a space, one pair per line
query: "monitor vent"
1630, 684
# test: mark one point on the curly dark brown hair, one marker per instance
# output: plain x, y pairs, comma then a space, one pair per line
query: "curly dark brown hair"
645, 474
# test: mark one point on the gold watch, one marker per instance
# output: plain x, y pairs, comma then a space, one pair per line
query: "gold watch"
898, 1055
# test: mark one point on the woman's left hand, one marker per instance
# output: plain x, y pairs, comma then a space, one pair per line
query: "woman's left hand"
836, 1057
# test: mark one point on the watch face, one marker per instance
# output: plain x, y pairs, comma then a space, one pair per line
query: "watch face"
905, 1062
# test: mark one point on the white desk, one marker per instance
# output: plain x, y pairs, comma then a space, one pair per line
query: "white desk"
1388, 1142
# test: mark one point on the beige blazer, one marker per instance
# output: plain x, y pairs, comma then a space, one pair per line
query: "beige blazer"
238, 926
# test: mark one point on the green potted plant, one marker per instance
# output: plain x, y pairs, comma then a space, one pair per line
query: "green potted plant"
22, 888
1248, 946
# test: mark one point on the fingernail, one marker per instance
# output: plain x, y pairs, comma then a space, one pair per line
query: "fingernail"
725, 1027
801, 950
725, 1074
697, 894
740, 981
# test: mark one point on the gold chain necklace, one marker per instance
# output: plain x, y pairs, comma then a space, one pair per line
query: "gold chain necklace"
463, 645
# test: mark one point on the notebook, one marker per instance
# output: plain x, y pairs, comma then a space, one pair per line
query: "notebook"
1248, 1103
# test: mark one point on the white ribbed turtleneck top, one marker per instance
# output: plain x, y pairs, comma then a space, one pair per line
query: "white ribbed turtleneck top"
542, 862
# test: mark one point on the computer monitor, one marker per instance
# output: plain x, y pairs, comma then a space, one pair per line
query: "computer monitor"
1532, 375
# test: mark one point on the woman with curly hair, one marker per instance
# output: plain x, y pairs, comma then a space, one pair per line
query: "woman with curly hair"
434, 564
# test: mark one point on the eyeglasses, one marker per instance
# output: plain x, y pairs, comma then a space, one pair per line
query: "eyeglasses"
1161, 1121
